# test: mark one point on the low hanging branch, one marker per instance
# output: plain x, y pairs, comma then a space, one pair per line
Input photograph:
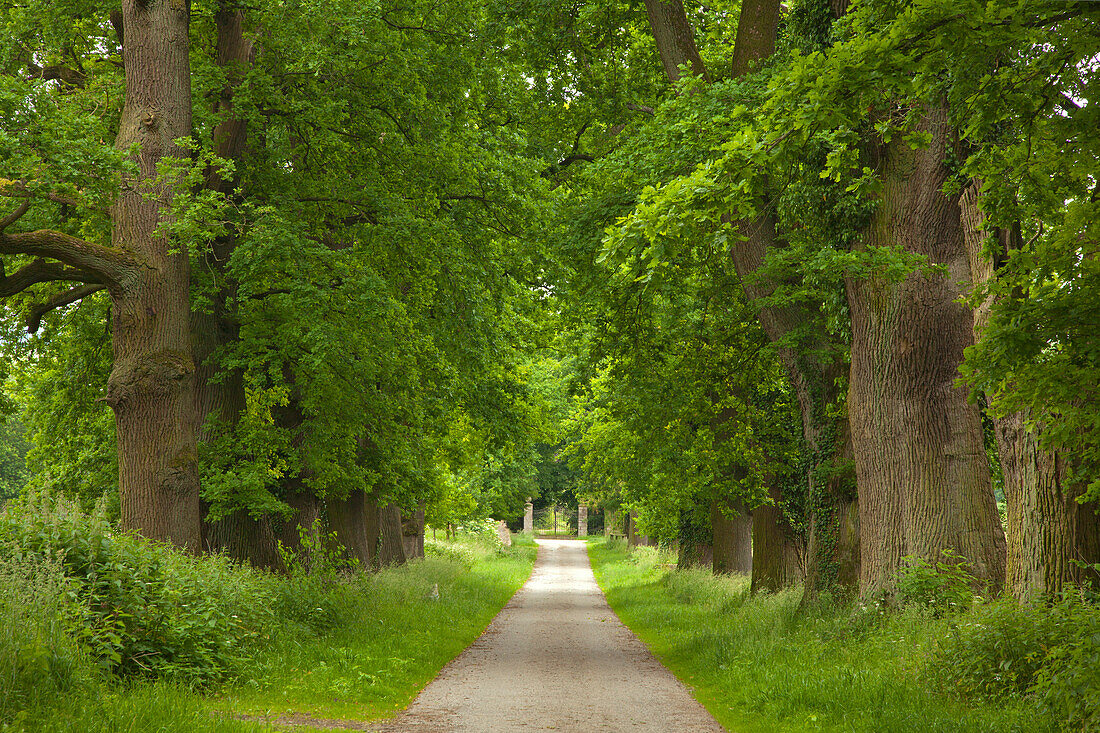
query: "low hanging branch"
34, 318
36, 272
111, 267
105, 265
75, 260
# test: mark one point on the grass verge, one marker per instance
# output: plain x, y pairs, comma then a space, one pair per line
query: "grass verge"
763, 664
393, 639
107, 632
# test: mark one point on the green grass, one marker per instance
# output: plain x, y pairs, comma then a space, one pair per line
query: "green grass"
395, 638
359, 648
762, 664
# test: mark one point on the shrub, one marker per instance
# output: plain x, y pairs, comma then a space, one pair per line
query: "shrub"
486, 528
313, 594
994, 652
1051, 652
1068, 684
946, 587
141, 608
464, 553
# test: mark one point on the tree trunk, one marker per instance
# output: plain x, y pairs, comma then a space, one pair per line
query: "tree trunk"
373, 516
348, 519
695, 550
776, 560
413, 534
732, 544
832, 553
151, 382
243, 538
1047, 528
675, 38
391, 548
693, 554
305, 511
922, 472
756, 31
832, 542
219, 393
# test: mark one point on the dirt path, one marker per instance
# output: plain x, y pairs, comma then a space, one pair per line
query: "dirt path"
556, 658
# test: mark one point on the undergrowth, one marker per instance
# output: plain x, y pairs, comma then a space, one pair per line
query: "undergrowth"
104, 631
770, 663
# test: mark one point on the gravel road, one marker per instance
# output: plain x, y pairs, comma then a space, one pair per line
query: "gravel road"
556, 658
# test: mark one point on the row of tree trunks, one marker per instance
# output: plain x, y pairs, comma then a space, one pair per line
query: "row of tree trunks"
375, 536
813, 378
923, 482
1048, 530
921, 467
832, 553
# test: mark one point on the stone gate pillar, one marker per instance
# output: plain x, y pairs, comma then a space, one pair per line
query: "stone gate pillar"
582, 521
529, 517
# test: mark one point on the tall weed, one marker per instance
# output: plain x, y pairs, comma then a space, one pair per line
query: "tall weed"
40, 658
138, 607
1048, 652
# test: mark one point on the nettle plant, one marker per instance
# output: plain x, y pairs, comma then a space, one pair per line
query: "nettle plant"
944, 587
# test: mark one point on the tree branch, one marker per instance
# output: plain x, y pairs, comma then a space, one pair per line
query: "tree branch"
72, 77
14, 216
566, 162
18, 190
68, 297
36, 272
111, 267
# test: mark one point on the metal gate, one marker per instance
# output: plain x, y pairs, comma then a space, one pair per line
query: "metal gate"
558, 521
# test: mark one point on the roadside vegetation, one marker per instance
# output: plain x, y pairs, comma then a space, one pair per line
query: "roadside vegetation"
940, 662
102, 631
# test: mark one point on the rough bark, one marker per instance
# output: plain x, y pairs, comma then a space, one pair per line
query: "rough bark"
693, 554
675, 38
1047, 529
219, 393
832, 552
756, 31
776, 560
732, 550
391, 548
694, 543
413, 534
234, 54
305, 511
373, 515
243, 538
152, 378
922, 472
832, 542
347, 517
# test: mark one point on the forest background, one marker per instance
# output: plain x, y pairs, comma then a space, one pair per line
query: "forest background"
807, 291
